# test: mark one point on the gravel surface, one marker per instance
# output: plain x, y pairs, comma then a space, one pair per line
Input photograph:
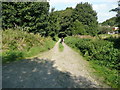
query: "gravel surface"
51, 69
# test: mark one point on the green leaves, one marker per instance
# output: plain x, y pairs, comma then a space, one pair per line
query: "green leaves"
110, 22
78, 28
25, 14
85, 14
36, 16
100, 50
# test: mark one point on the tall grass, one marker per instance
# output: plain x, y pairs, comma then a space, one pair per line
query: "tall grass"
17, 44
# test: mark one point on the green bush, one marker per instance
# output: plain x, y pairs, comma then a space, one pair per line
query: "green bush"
115, 40
101, 50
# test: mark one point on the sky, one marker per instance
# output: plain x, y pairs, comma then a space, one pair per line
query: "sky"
102, 7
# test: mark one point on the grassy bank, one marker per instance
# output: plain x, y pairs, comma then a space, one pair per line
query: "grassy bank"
17, 44
102, 55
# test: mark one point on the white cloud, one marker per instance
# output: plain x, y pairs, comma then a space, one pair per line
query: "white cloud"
103, 11
99, 6
105, 1
102, 16
103, 7
65, 1
77, 1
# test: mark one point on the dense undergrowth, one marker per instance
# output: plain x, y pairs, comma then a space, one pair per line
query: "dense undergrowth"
102, 54
17, 44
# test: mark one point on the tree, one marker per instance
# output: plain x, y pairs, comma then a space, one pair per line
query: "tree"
85, 14
65, 19
78, 28
110, 22
33, 15
53, 23
118, 14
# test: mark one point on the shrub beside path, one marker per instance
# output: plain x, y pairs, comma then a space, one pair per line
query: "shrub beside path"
51, 69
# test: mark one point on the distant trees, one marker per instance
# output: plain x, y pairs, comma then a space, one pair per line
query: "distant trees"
82, 20
118, 14
104, 29
35, 17
110, 22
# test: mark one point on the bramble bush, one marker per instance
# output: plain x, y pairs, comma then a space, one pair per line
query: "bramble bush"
95, 49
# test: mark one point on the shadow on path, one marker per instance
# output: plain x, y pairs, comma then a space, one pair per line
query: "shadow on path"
39, 73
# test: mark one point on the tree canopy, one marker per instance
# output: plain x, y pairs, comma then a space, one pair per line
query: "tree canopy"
35, 17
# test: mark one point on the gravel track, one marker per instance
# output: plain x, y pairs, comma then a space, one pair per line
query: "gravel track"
51, 69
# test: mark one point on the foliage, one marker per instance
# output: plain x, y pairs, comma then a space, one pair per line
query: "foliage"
29, 15
115, 40
118, 14
78, 28
18, 43
35, 17
85, 14
105, 36
104, 29
100, 52
110, 22
53, 24
11, 56
60, 21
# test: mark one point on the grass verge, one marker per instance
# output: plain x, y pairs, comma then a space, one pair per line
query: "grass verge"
61, 47
108, 76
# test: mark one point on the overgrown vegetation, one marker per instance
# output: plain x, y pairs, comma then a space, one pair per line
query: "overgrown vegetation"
17, 44
101, 52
